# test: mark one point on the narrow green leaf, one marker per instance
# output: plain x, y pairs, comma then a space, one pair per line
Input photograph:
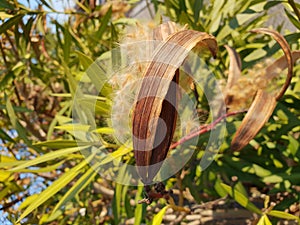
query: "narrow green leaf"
4, 175
4, 158
52, 217
99, 107
79, 42
223, 33
273, 179
125, 21
197, 7
260, 171
40, 24
123, 150
10, 22
82, 6
116, 204
241, 199
55, 187
5, 80
264, 220
41, 170
219, 189
99, 78
267, 221
6, 191
47, 157
140, 208
104, 23
72, 127
55, 120
82, 113
28, 28
85, 60
80, 184
28, 201
5, 5
104, 130
126, 202
55, 144
271, 4
22, 132
255, 55
293, 145
67, 44
157, 219
283, 215
4, 15
293, 19
11, 164
5, 136
63, 119
240, 188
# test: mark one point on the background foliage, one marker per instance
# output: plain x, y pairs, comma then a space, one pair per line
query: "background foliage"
44, 178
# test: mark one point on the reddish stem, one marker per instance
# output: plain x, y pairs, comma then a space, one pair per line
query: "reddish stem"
204, 128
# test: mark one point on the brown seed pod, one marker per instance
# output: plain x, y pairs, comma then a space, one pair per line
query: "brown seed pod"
264, 103
154, 116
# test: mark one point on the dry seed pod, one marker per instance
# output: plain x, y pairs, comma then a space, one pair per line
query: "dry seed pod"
280, 64
235, 66
287, 53
234, 73
151, 141
258, 114
264, 103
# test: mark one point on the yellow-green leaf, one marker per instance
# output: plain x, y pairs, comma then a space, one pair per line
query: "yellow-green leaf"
80, 184
55, 187
241, 199
62, 143
104, 130
4, 175
264, 220
28, 201
47, 157
123, 150
157, 219
85, 60
283, 215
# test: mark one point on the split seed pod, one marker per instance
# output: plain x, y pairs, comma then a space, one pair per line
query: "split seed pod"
154, 116
264, 103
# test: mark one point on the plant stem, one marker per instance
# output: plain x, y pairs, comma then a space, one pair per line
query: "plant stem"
204, 128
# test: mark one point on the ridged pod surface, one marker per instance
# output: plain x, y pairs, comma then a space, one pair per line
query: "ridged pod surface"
154, 115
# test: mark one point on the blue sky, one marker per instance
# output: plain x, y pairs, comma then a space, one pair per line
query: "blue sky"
58, 5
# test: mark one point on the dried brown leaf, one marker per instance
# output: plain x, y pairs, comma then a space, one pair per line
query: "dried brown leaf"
257, 115
157, 100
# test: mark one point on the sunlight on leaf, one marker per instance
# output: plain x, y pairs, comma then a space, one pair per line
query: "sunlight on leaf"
241, 199
157, 219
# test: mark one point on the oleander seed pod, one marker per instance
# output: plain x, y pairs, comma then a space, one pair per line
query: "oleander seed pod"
150, 141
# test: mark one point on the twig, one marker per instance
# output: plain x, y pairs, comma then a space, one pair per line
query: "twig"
179, 183
205, 128
13, 47
3, 54
5, 206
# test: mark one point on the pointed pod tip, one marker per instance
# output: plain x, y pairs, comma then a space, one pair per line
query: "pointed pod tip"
236, 145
